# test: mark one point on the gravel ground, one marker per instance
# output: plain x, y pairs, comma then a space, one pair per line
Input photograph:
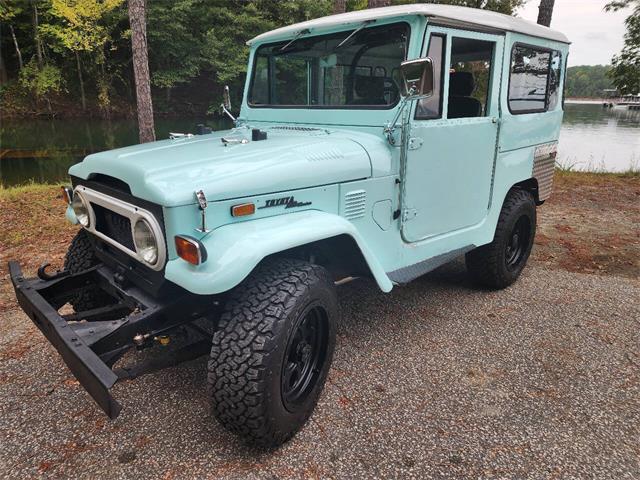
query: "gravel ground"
436, 380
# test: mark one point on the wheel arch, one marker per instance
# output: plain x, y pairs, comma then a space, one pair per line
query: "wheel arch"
235, 250
530, 185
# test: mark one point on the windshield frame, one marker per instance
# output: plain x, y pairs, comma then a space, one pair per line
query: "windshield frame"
345, 32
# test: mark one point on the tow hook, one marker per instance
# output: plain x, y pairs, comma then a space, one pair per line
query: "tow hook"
43, 275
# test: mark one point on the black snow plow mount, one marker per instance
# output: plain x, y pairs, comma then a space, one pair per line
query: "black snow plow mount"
91, 342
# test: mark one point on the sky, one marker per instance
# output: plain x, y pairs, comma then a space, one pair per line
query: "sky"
595, 35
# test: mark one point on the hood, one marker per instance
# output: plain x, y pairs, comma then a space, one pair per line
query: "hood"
168, 172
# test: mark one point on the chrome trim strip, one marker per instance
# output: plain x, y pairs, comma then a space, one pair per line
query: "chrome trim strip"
133, 213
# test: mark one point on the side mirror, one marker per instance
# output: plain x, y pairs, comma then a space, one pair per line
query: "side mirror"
226, 98
417, 78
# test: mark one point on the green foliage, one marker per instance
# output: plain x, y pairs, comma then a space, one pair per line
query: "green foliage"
41, 81
81, 25
625, 71
195, 46
586, 81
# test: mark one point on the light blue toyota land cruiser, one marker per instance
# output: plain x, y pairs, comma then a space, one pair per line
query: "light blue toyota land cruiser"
381, 143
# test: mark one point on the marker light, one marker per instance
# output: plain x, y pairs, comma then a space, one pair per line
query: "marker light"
67, 194
190, 249
243, 209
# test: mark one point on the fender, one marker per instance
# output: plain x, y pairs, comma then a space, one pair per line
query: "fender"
234, 250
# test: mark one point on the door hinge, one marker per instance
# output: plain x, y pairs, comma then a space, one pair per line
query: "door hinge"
408, 214
415, 143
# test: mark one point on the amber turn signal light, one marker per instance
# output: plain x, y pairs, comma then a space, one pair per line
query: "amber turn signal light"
243, 209
67, 194
190, 249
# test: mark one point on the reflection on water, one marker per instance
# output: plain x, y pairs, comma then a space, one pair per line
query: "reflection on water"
43, 150
592, 138
595, 138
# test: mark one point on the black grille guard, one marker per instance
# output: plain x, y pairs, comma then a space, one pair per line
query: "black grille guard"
90, 342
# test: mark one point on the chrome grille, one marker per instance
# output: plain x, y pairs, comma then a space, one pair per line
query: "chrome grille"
115, 226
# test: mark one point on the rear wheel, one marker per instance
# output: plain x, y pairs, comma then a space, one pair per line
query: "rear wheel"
272, 352
499, 264
80, 257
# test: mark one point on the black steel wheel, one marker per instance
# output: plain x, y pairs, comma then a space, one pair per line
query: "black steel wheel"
304, 358
500, 263
516, 245
273, 349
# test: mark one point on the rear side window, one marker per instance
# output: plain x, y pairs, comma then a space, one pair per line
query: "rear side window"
529, 79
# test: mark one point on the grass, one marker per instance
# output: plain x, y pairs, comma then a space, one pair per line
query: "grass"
13, 192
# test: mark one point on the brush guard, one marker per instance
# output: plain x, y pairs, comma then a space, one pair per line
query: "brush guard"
91, 342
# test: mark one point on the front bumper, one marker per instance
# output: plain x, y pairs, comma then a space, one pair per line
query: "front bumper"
91, 342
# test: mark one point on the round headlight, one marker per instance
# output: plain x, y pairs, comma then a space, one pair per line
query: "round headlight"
145, 240
80, 209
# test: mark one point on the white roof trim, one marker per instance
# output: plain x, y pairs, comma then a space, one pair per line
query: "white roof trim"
464, 16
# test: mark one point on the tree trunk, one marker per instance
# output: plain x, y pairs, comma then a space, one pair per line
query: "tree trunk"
545, 10
36, 35
137, 19
378, 3
83, 97
15, 43
339, 6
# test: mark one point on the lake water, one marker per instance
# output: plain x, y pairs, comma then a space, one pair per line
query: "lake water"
592, 138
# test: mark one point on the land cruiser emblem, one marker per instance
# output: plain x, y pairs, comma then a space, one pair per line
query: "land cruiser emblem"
288, 202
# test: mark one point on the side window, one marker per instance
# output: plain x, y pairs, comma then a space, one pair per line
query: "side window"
260, 90
554, 80
431, 107
469, 77
528, 80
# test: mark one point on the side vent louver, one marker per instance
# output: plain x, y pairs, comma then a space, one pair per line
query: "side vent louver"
355, 204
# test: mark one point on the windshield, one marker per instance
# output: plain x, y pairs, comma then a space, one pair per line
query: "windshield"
317, 72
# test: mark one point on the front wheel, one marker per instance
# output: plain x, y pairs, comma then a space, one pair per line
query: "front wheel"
499, 264
272, 352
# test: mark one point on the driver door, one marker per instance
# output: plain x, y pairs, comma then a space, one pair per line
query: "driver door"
450, 159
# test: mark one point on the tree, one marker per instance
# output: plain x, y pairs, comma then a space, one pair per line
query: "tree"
138, 21
175, 43
545, 11
339, 6
378, 3
82, 30
7, 13
625, 71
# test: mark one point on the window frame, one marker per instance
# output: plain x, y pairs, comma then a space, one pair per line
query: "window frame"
546, 93
444, 64
408, 32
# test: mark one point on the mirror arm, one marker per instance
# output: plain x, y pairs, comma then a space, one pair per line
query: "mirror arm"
224, 110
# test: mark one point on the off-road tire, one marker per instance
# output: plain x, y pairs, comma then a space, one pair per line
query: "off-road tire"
248, 353
488, 265
80, 256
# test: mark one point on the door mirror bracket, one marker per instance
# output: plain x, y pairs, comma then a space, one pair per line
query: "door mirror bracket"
225, 107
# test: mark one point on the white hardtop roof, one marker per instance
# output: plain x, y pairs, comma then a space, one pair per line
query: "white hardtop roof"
457, 16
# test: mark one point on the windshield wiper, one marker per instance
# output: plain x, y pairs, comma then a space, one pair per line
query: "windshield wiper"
352, 34
296, 37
